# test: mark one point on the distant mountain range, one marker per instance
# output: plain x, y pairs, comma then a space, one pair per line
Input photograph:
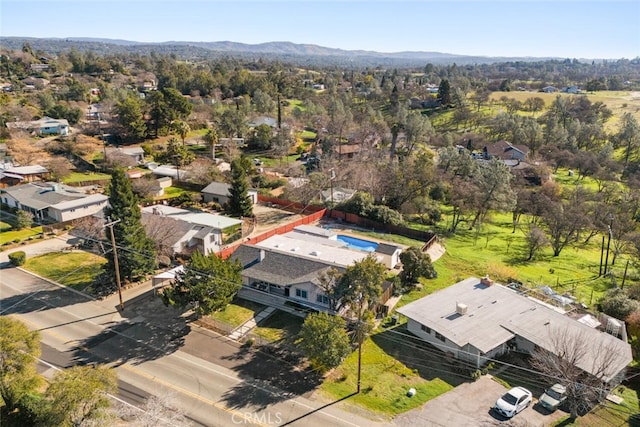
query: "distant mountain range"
292, 52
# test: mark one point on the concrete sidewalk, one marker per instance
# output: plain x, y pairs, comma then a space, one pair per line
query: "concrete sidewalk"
39, 247
247, 326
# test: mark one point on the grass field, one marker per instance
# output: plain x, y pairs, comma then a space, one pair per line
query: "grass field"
21, 235
385, 380
73, 269
238, 312
76, 177
280, 327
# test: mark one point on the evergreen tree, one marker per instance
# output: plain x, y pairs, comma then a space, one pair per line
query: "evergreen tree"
444, 93
136, 251
239, 201
208, 282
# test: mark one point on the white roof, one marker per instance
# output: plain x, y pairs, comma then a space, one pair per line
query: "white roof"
71, 204
313, 247
219, 222
495, 314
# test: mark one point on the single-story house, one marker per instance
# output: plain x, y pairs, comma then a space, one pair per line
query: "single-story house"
44, 126
136, 153
263, 120
283, 270
23, 174
505, 151
476, 320
170, 171
52, 201
196, 230
218, 192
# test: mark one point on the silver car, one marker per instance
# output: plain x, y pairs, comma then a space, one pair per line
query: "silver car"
553, 397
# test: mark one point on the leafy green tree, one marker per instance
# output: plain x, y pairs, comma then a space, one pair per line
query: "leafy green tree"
24, 220
261, 137
617, 303
324, 340
493, 181
136, 252
361, 285
19, 350
240, 203
79, 394
628, 137
208, 283
177, 154
130, 117
415, 264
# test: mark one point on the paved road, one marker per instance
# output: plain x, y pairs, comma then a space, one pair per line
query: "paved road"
146, 349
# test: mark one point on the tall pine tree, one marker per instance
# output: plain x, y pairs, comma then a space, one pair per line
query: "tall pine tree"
136, 251
239, 201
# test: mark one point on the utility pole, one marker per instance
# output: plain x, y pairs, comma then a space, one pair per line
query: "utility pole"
115, 259
606, 259
359, 343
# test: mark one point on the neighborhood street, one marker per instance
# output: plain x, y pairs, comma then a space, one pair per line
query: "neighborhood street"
153, 350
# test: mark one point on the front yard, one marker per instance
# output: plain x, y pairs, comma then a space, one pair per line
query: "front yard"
74, 269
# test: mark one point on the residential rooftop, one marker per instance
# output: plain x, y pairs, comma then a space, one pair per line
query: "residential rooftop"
495, 314
219, 222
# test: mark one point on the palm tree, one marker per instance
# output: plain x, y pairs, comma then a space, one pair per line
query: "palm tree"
211, 138
182, 129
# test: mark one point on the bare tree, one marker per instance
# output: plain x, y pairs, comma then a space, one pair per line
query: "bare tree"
536, 240
581, 364
89, 227
163, 231
162, 411
59, 167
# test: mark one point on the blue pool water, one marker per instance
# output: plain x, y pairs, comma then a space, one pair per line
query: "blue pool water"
360, 244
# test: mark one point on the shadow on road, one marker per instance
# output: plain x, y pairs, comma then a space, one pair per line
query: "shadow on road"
271, 376
149, 331
49, 296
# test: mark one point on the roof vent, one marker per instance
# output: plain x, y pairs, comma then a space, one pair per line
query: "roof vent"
486, 281
315, 253
461, 309
296, 249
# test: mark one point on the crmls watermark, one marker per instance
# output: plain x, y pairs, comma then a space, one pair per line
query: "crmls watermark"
254, 418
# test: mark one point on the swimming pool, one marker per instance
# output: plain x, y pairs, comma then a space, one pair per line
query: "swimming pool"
360, 244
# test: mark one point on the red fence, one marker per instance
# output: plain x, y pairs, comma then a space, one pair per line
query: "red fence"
285, 228
428, 237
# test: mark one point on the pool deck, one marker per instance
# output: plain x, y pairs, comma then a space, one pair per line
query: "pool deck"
435, 251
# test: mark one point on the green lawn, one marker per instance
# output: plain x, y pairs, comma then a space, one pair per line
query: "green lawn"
610, 414
5, 226
73, 269
280, 326
238, 312
25, 234
76, 177
385, 380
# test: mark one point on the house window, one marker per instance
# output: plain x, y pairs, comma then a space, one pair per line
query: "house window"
440, 337
322, 299
212, 238
426, 329
300, 293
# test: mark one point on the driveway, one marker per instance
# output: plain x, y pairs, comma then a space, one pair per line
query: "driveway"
470, 404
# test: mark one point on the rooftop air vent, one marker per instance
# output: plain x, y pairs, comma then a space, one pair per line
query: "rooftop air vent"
461, 309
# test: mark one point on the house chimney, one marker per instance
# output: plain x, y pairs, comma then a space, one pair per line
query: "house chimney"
486, 281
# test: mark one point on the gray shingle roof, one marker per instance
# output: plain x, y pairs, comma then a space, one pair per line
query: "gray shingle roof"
495, 314
279, 268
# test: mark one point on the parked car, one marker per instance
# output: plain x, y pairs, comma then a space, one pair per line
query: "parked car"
513, 401
553, 397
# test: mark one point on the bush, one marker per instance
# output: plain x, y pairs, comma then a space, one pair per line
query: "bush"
18, 258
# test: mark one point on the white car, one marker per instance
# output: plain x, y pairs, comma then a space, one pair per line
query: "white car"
513, 401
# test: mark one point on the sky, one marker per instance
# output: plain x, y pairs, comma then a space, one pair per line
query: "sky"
544, 28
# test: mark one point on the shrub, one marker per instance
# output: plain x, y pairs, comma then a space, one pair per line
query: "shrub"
16, 240
18, 258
